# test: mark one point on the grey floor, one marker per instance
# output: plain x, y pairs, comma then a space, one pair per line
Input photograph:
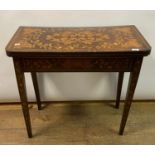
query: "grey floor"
79, 123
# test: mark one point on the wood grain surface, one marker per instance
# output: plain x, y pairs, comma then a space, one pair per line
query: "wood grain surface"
78, 123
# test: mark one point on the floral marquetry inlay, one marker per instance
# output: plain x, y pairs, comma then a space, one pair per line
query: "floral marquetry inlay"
97, 39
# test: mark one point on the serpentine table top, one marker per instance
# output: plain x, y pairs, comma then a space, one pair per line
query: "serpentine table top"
81, 40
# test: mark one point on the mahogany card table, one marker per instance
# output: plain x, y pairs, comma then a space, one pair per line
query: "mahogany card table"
77, 49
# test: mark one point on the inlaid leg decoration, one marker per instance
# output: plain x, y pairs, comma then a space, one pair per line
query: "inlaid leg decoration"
130, 92
119, 88
36, 89
22, 92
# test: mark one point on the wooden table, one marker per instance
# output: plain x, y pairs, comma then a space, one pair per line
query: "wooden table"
81, 49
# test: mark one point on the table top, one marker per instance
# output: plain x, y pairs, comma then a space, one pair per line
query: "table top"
73, 40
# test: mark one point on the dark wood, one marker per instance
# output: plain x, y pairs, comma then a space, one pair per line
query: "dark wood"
74, 64
119, 88
130, 92
85, 49
36, 88
22, 91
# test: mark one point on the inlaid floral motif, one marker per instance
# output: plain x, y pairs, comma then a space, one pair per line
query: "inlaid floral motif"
78, 39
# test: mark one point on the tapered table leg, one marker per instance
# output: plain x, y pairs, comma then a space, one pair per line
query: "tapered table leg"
22, 92
36, 89
130, 92
119, 88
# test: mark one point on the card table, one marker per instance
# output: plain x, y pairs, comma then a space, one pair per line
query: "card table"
77, 49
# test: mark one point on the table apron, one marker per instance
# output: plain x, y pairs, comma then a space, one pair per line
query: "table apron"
108, 64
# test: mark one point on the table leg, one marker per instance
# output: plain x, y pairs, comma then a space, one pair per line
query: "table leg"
36, 88
119, 88
22, 92
130, 92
